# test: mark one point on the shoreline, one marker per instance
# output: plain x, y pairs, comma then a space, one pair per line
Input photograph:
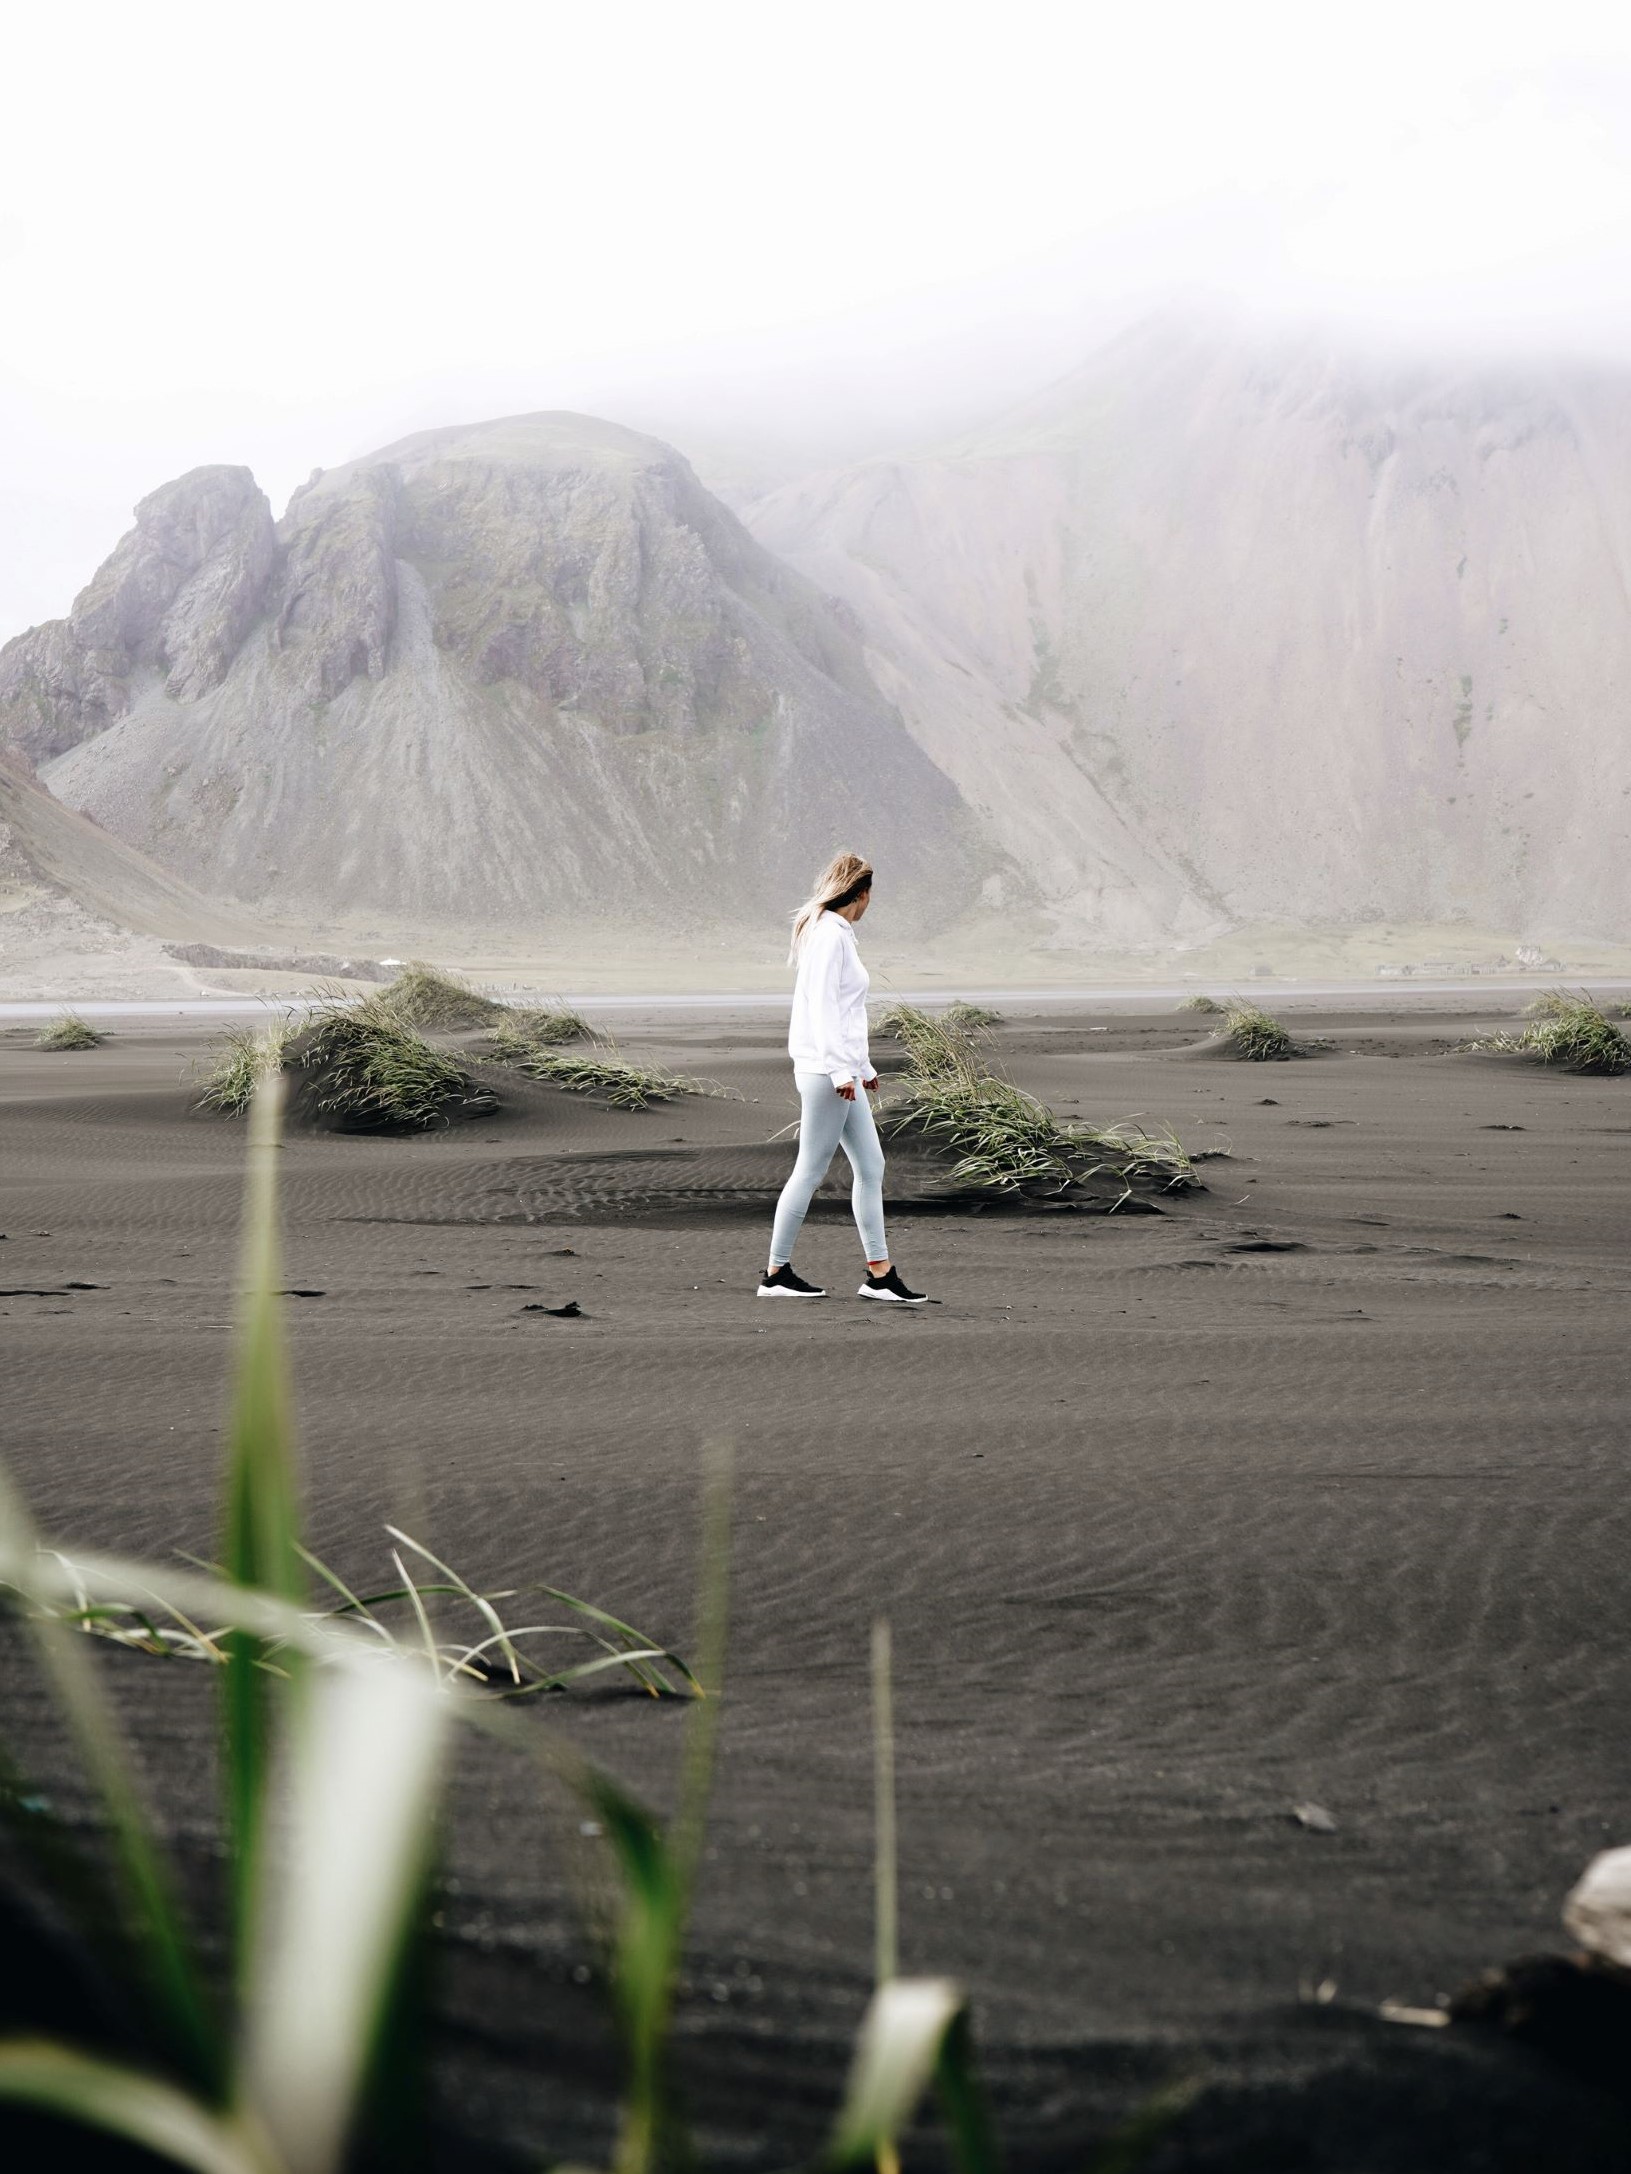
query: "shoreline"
1362, 995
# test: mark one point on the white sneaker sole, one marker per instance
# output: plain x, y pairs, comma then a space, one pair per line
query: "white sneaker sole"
890, 1298
780, 1290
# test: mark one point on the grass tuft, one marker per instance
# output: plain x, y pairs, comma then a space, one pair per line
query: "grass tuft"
521, 1035
1573, 1033
1553, 1004
550, 1024
492, 1654
936, 1046
1005, 1139
620, 1085
69, 1031
1251, 1033
369, 1070
243, 1059
1201, 1003
425, 996
362, 1064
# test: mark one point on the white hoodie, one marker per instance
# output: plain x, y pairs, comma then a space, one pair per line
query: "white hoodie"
828, 1031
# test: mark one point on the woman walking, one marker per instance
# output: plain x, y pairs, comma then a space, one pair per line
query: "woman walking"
833, 1073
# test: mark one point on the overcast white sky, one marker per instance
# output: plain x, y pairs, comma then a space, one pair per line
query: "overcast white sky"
284, 235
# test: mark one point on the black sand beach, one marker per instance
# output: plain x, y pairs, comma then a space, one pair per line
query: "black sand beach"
1309, 1489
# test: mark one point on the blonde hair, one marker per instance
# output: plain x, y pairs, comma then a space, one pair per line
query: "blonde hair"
845, 874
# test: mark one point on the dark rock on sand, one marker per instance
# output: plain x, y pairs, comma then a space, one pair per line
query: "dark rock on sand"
1574, 2008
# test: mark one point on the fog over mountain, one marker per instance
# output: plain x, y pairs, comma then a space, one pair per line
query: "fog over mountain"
1240, 628
1225, 628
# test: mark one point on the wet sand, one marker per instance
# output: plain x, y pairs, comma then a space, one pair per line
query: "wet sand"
1309, 1488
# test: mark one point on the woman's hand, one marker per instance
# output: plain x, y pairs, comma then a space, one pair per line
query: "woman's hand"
847, 1090
871, 1085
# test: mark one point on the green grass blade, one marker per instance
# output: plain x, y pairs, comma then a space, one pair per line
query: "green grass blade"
886, 1910
353, 1606
575, 1674
54, 2079
964, 2107
336, 1902
432, 1652
592, 1614
262, 1534
900, 2045
645, 1950
478, 1601
658, 1871
367, 1602
155, 1928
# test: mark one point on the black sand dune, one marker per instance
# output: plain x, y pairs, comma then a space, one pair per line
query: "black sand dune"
1309, 1489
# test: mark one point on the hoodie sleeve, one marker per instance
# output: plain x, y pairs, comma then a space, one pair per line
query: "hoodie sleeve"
826, 1012
866, 1071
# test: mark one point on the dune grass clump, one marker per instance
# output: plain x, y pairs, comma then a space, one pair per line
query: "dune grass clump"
69, 1031
1253, 1034
1005, 1139
367, 1068
620, 1085
553, 1024
532, 1042
935, 1044
425, 996
1201, 1003
1574, 1034
243, 1058
521, 1031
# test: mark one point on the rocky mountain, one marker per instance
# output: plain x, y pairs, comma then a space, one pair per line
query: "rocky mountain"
171, 607
1224, 630
1228, 629
519, 673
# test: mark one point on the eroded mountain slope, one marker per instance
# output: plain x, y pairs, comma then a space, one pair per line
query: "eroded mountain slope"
1254, 631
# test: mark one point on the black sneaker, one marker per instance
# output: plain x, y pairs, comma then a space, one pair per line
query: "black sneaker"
783, 1283
890, 1288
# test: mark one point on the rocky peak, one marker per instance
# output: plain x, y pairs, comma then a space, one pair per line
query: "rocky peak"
173, 603
335, 605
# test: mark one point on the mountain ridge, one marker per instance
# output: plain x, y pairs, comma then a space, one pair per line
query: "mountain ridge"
1218, 630
512, 672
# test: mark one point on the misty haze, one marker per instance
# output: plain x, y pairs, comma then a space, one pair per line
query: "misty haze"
815, 1021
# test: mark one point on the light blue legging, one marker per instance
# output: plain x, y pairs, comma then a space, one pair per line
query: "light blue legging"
828, 1123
